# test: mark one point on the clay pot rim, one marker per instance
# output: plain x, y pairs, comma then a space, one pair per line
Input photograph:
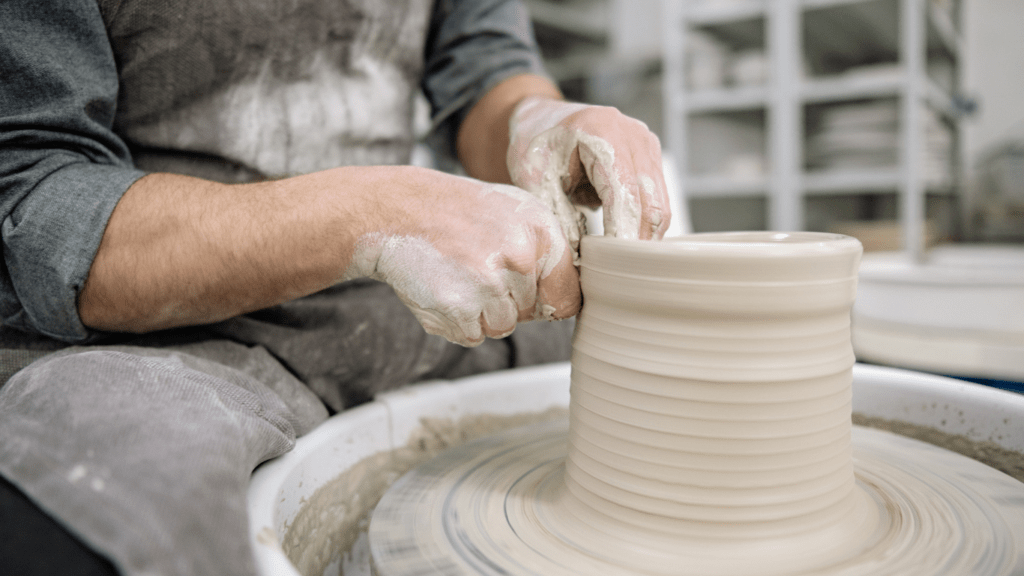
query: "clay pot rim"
724, 244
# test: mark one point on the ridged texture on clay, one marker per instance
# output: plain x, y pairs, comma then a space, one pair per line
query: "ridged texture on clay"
711, 385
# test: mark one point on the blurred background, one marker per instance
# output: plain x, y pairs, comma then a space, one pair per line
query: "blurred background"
828, 115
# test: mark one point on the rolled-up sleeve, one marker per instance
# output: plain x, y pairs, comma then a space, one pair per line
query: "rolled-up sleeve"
62, 168
472, 46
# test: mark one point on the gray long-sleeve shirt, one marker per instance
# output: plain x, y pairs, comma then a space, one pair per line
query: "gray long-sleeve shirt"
95, 93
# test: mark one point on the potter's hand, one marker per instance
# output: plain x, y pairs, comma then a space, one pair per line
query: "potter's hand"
592, 156
470, 259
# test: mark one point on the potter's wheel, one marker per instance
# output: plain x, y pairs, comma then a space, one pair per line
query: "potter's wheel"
709, 433
284, 490
493, 507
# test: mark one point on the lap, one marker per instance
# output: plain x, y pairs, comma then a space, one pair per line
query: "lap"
142, 454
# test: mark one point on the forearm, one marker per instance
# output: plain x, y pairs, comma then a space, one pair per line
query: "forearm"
470, 259
483, 138
183, 251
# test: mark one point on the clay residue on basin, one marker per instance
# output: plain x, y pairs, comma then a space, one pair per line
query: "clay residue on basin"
1007, 461
330, 522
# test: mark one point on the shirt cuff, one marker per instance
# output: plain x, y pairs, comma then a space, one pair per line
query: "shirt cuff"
50, 240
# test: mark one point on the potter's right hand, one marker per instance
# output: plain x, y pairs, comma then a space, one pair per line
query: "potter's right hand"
469, 258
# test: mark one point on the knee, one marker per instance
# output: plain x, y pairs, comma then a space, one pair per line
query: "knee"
127, 398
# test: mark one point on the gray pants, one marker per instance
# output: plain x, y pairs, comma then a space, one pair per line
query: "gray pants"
144, 449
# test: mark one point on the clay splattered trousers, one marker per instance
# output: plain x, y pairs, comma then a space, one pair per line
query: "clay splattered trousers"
142, 449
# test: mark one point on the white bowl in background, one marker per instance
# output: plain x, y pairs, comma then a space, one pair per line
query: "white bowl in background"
961, 312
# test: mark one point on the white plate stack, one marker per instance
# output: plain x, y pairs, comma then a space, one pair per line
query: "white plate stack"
866, 135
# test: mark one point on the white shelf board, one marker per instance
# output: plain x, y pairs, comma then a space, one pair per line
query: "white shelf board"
878, 180
851, 181
710, 12
823, 183
850, 87
724, 186
844, 88
727, 99
825, 89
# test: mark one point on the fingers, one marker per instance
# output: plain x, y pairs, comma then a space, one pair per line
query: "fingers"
538, 271
507, 260
656, 213
558, 293
516, 297
466, 334
625, 169
501, 311
593, 153
619, 196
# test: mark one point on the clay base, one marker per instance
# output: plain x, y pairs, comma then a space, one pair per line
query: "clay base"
500, 506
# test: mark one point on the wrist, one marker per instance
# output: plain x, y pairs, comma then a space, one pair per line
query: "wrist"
483, 138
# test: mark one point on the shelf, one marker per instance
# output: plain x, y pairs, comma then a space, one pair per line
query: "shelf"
851, 87
717, 186
837, 182
863, 181
815, 91
843, 88
727, 99
711, 12
851, 181
850, 51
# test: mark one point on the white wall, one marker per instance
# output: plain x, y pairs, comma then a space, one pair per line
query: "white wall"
635, 28
993, 73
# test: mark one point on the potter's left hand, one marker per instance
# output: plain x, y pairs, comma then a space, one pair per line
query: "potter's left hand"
566, 153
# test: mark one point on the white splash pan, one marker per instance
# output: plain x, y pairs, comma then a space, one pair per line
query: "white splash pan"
960, 312
280, 487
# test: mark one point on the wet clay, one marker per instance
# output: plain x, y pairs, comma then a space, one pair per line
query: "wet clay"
709, 433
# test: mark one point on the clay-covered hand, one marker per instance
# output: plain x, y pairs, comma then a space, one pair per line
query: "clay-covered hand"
469, 258
566, 153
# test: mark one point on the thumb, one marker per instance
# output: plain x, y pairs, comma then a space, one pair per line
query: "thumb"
558, 292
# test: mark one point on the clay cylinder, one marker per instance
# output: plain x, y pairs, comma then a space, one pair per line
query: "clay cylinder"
711, 384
